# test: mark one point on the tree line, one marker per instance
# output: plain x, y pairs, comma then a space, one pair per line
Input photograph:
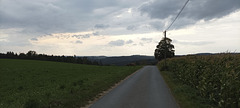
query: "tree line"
32, 55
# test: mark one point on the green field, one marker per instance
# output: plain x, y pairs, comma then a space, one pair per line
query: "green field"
29, 83
204, 81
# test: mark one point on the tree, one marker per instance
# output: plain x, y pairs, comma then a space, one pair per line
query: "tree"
31, 53
10, 54
161, 47
22, 56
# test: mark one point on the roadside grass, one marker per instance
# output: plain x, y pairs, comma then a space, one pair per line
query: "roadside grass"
204, 81
42, 84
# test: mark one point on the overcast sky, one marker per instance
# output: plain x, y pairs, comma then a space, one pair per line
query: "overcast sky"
118, 27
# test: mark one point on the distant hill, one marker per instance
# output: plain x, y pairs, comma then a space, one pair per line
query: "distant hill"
124, 60
134, 59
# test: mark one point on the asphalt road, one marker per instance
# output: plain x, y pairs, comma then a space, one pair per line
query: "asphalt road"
145, 89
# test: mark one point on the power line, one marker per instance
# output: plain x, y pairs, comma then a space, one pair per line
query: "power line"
177, 15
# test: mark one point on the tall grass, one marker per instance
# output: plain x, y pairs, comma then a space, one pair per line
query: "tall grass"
215, 77
33, 84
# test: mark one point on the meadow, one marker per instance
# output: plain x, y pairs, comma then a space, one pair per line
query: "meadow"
34, 84
204, 81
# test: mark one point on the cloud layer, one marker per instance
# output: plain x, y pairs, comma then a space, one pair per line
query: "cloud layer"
195, 10
78, 26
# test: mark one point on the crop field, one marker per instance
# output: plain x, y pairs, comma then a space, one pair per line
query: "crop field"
215, 77
29, 83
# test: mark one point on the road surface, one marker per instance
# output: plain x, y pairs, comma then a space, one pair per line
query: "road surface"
145, 89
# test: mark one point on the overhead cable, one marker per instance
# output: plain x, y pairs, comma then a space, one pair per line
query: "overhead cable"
178, 15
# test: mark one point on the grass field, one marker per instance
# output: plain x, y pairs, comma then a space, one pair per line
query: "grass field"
33, 84
204, 81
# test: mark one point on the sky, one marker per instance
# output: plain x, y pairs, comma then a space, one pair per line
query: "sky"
118, 27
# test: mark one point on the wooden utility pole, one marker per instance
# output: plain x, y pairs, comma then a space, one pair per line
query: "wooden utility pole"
165, 49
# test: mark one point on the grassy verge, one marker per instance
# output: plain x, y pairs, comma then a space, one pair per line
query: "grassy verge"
29, 83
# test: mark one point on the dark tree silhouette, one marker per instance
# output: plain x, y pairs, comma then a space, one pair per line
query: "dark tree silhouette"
161, 47
32, 55
22, 55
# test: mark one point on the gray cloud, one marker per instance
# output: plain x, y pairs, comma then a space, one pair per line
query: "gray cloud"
160, 9
129, 42
79, 42
34, 39
86, 36
148, 40
158, 25
196, 10
131, 27
58, 16
55, 16
82, 36
116, 43
101, 26
40, 17
210, 9
24, 20
37, 16
96, 33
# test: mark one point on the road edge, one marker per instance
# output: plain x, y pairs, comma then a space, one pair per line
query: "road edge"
103, 93
169, 89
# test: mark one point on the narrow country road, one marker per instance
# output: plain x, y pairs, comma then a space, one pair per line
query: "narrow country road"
145, 89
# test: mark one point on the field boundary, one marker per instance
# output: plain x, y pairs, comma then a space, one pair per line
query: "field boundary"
103, 93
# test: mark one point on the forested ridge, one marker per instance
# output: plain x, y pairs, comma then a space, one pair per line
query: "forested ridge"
32, 55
